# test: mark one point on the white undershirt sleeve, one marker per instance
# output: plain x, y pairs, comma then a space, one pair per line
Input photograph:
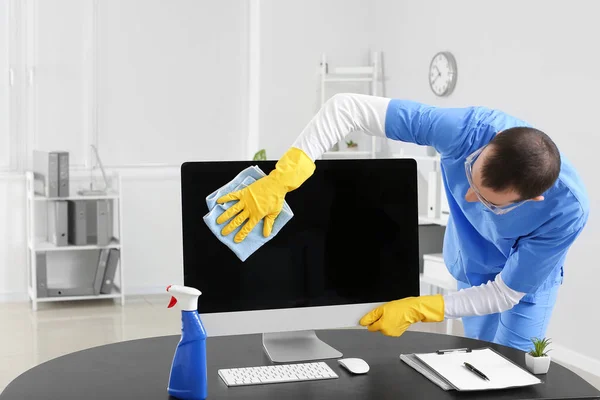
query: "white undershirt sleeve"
340, 115
490, 298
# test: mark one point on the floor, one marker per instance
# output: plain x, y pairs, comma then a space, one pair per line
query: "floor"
30, 338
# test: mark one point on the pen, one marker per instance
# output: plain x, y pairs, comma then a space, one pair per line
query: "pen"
476, 371
465, 350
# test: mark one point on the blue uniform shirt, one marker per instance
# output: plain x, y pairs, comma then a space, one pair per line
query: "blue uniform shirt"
528, 245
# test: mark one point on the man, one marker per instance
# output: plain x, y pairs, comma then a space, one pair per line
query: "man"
516, 207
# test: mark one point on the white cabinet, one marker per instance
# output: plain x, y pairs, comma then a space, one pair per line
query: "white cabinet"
436, 275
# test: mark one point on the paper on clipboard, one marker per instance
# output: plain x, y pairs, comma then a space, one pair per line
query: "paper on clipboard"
415, 363
448, 370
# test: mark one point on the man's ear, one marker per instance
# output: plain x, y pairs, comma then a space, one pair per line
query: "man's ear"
539, 198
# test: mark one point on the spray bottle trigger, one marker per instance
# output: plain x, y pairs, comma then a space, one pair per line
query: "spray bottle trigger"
172, 302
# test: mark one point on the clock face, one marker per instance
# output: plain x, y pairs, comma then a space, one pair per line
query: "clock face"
442, 74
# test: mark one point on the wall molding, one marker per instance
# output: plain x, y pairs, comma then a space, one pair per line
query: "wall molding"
148, 290
13, 65
578, 360
21, 297
30, 105
12, 176
14, 297
128, 172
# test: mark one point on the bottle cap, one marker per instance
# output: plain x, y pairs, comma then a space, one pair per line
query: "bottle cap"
186, 296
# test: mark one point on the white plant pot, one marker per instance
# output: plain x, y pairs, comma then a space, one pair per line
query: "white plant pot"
537, 365
355, 148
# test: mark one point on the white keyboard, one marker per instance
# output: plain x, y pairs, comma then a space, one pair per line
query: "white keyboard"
276, 374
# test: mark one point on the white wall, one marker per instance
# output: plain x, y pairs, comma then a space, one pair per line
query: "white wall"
171, 80
537, 60
152, 83
5, 137
293, 35
12, 239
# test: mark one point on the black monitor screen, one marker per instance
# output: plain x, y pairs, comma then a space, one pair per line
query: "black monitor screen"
353, 239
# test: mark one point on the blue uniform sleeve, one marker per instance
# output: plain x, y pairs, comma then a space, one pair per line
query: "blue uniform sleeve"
535, 258
448, 130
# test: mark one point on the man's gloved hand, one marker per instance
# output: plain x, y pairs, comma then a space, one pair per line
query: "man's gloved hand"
393, 318
264, 198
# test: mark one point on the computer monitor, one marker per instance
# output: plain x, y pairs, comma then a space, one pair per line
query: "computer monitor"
351, 245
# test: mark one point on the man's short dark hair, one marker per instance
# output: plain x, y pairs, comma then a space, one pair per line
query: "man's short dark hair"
522, 159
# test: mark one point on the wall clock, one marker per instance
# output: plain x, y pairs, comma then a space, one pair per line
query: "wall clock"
442, 73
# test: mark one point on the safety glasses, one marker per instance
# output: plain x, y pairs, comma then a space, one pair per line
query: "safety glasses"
498, 210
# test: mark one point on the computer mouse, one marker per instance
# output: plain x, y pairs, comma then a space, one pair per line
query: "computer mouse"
355, 365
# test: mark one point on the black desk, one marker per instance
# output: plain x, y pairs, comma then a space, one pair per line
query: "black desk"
139, 369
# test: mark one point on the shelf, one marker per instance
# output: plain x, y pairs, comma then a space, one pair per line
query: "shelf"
441, 283
353, 70
418, 158
348, 79
114, 295
73, 298
437, 257
37, 241
47, 246
110, 195
432, 221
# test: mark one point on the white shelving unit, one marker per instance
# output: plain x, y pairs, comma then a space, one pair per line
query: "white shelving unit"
36, 209
423, 220
436, 275
368, 74
435, 160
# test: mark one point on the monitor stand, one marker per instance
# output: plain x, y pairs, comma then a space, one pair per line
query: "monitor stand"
289, 347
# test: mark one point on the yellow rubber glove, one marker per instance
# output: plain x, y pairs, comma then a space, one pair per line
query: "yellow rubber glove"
393, 318
264, 198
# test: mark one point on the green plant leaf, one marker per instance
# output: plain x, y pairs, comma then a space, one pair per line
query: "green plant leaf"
540, 347
260, 155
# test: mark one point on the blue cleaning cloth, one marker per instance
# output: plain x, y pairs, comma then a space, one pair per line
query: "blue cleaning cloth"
255, 238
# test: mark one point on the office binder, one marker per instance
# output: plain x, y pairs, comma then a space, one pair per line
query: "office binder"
99, 222
78, 222
103, 224
446, 369
41, 274
100, 270
444, 205
45, 173
63, 173
109, 276
434, 188
58, 223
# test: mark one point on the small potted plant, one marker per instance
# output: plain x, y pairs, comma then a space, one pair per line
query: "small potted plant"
352, 146
537, 360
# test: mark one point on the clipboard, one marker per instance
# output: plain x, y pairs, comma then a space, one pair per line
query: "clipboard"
446, 369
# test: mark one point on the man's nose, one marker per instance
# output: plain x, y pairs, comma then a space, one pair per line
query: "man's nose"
471, 197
